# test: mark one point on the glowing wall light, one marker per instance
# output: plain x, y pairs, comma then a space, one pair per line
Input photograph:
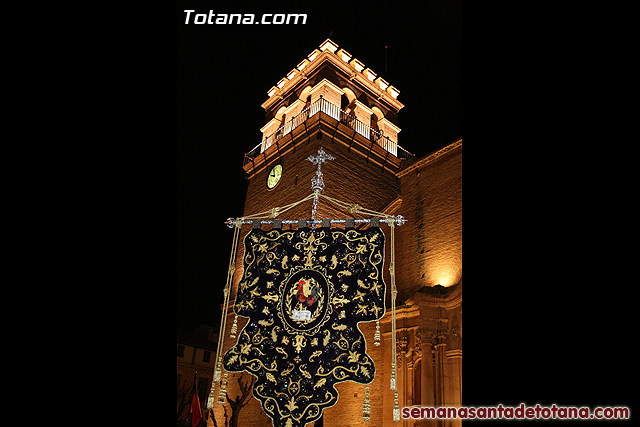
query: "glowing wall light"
445, 278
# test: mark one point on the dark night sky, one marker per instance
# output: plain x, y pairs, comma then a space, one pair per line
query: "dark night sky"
224, 72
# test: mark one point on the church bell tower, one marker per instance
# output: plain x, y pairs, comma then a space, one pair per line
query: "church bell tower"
330, 100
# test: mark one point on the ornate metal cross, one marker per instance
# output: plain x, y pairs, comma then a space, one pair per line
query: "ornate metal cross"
317, 182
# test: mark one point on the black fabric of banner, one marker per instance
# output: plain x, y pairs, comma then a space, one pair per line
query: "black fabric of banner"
304, 292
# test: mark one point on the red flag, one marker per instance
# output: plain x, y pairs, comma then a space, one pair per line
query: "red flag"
195, 413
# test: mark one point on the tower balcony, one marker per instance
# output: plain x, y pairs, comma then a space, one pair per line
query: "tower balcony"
348, 119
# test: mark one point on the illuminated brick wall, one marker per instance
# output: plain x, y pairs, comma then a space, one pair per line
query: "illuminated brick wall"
429, 246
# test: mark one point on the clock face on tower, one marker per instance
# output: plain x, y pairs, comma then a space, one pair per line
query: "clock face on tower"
274, 176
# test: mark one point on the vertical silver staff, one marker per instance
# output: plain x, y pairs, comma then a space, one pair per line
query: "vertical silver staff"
317, 182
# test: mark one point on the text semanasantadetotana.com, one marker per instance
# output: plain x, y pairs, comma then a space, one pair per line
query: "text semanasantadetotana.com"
522, 412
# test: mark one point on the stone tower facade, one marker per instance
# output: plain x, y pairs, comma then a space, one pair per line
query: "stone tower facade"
332, 100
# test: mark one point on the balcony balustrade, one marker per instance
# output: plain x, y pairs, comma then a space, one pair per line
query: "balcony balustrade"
322, 105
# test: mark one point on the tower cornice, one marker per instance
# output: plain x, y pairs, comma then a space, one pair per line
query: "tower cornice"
352, 68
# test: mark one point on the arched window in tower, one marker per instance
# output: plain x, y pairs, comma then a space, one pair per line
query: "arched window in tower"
375, 130
374, 123
344, 102
348, 106
305, 96
348, 113
280, 131
304, 115
377, 134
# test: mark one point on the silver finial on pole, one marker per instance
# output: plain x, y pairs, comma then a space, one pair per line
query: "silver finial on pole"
317, 182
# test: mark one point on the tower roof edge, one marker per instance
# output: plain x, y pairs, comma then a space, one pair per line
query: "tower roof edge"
328, 51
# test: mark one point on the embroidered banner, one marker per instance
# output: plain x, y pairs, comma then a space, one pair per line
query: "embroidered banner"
304, 292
